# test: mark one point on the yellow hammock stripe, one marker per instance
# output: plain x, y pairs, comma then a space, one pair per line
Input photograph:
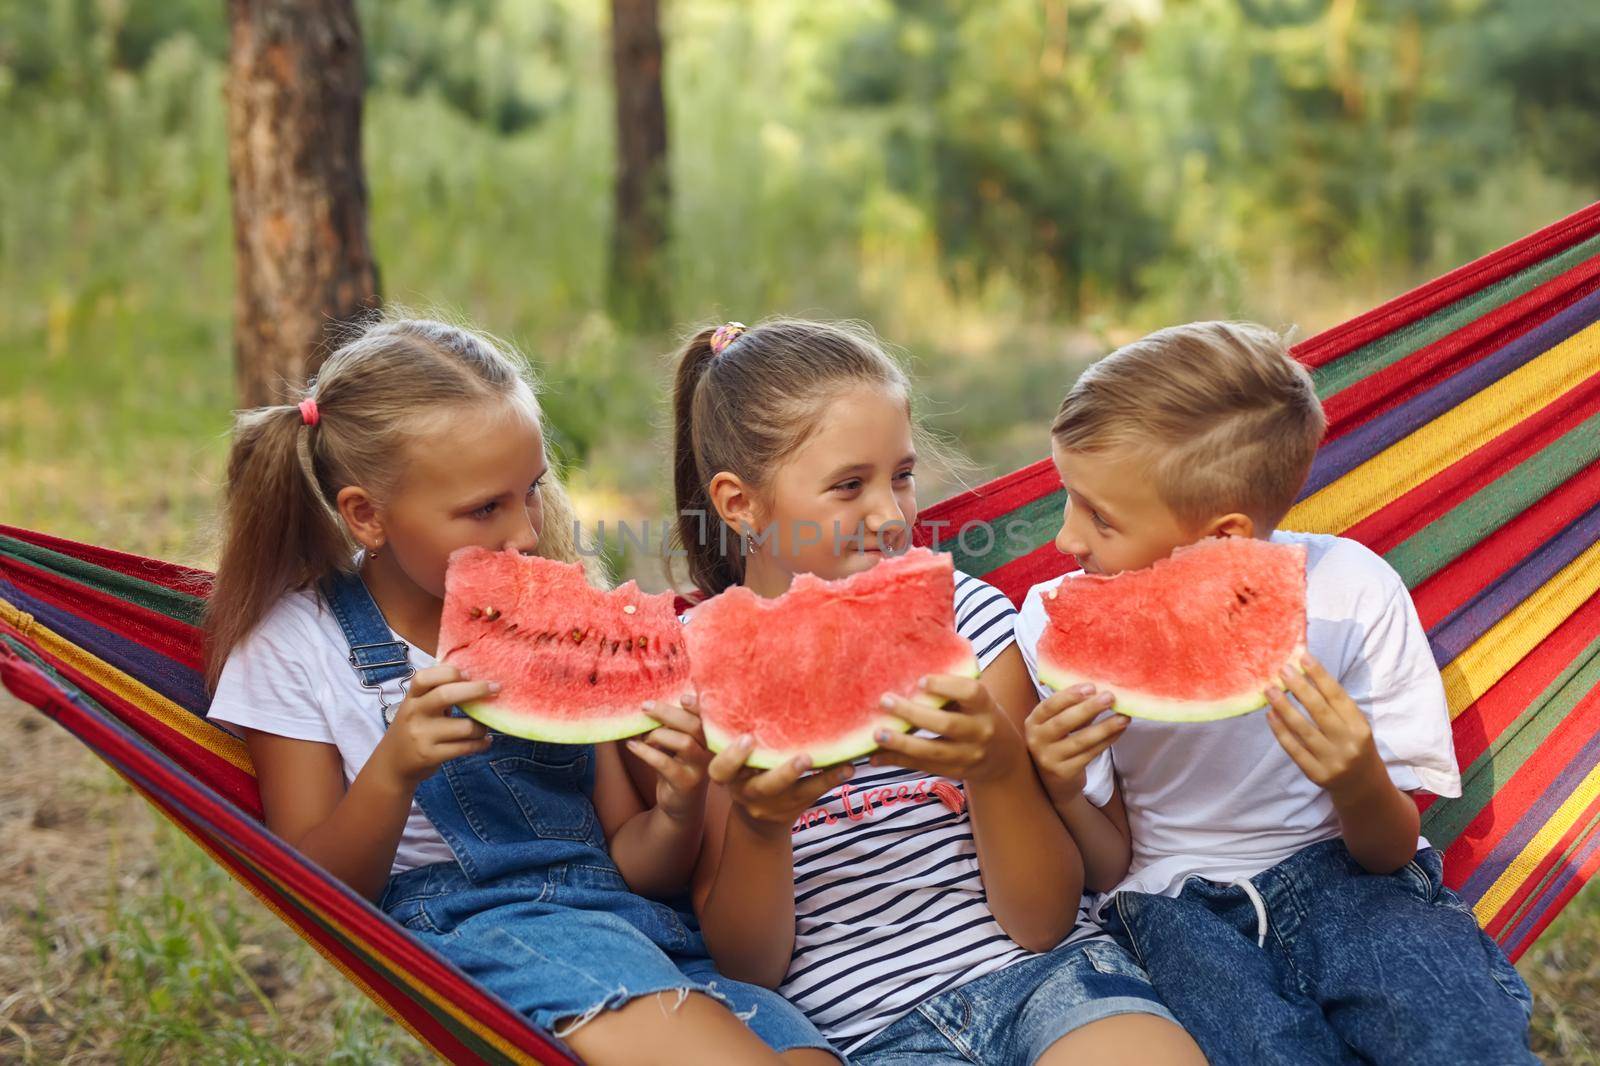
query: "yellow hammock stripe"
1459, 431
214, 739
1473, 672
1543, 842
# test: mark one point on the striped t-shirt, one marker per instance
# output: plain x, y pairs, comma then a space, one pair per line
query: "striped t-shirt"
889, 903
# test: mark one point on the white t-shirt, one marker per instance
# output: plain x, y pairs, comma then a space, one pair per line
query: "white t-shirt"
292, 677
1222, 800
889, 901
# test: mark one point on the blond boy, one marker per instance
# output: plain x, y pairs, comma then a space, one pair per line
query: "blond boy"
1267, 870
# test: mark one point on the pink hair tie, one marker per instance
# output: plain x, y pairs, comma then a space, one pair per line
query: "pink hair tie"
725, 335
309, 415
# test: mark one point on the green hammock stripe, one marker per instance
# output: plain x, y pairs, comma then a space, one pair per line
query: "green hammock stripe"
1443, 822
1389, 349
1445, 539
987, 546
179, 606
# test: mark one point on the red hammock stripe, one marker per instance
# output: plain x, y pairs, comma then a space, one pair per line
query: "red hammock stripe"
1411, 513
1386, 389
1426, 299
992, 501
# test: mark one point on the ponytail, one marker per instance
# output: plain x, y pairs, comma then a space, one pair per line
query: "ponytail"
280, 532
700, 529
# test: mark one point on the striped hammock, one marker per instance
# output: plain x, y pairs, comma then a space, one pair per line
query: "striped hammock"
1464, 426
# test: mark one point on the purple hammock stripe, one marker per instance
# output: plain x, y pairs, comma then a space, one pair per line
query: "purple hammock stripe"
176, 682
1516, 839
1456, 632
1338, 457
1569, 869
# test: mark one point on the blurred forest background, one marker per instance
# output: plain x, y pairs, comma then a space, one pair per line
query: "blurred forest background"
1004, 190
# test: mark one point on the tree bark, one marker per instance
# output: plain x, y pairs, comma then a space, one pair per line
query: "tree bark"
303, 264
643, 192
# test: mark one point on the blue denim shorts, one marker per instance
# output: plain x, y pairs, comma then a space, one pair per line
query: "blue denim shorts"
578, 944
1013, 1015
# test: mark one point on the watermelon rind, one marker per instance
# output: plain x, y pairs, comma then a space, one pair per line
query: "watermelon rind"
604, 725
847, 748
1148, 705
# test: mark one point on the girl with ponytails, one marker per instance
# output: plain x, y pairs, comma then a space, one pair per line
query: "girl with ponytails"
537, 869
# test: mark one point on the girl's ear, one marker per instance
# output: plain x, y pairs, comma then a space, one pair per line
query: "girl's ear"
1232, 525
360, 513
734, 502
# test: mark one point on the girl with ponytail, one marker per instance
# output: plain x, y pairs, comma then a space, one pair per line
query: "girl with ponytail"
922, 905
525, 864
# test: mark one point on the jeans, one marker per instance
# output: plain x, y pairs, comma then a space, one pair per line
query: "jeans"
1356, 967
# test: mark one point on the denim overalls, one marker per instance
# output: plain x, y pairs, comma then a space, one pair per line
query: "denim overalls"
533, 907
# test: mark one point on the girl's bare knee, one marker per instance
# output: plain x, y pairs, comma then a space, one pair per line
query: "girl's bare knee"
667, 1027
1126, 1040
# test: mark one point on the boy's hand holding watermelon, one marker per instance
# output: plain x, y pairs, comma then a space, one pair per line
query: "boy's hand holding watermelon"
1064, 738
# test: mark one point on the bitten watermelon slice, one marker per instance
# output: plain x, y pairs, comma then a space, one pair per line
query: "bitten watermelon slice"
1195, 637
574, 662
804, 673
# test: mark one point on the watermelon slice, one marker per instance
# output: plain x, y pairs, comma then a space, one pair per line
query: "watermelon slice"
1195, 637
803, 673
574, 662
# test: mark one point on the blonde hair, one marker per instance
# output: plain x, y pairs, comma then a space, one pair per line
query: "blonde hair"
1230, 419
744, 408
376, 393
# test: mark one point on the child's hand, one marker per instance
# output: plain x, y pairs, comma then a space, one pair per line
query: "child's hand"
423, 735
771, 800
1064, 738
975, 743
1333, 746
677, 753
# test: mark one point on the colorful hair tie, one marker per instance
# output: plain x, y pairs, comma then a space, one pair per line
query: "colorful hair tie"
725, 335
309, 415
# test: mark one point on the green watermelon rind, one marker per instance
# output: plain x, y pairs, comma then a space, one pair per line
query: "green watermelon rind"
596, 728
847, 748
1156, 708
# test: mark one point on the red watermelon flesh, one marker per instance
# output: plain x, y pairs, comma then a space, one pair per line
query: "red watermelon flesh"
803, 673
574, 662
1193, 638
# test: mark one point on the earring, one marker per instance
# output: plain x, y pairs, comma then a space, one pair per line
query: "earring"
372, 553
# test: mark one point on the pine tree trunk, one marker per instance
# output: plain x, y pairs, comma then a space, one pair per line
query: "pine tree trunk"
303, 265
643, 194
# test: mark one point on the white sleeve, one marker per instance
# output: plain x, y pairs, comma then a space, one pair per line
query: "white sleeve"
270, 681
1029, 626
1031, 622
1397, 684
